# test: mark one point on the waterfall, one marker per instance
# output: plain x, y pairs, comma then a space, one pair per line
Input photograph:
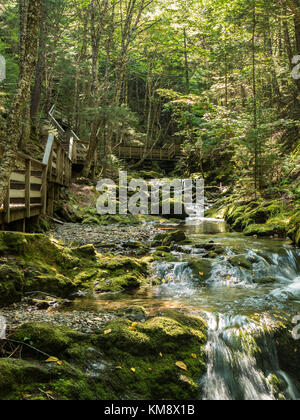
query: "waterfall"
234, 370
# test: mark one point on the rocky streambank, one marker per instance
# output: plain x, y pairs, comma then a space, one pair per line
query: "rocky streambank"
261, 218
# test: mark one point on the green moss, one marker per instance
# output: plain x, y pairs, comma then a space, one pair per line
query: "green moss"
265, 230
163, 248
11, 284
152, 349
122, 273
42, 264
240, 261
201, 268
294, 228
161, 255
51, 340
102, 364
21, 379
288, 348
19, 375
167, 239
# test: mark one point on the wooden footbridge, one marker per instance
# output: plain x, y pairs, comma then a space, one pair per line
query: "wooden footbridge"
34, 185
169, 152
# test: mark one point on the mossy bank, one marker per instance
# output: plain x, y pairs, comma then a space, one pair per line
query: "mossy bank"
162, 358
34, 262
263, 218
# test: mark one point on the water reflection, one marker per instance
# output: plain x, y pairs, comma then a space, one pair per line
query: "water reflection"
206, 226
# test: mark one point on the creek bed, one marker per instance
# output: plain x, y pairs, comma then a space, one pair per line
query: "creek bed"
230, 297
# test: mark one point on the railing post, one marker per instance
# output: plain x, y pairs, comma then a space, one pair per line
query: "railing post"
44, 190
71, 145
27, 187
6, 205
75, 151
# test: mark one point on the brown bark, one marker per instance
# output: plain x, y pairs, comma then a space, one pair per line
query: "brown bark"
13, 128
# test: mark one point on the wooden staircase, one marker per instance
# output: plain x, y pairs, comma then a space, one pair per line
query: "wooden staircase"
34, 185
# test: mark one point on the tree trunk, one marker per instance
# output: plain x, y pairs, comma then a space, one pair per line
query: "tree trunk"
14, 123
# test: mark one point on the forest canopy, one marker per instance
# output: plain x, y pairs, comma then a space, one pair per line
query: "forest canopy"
218, 77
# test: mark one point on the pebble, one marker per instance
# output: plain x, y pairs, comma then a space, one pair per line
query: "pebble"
85, 322
114, 239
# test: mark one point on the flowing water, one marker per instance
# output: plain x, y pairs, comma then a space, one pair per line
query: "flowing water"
241, 352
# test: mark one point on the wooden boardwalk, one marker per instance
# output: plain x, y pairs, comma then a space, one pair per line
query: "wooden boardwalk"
34, 185
170, 152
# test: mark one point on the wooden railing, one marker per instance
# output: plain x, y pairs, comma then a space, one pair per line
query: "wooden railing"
77, 149
26, 194
31, 181
58, 162
168, 152
34, 185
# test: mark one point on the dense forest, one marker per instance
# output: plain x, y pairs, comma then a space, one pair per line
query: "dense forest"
200, 89
214, 76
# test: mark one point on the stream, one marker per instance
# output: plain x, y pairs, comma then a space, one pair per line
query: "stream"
227, 298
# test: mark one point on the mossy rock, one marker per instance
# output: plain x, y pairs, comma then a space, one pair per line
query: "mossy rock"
173, 214
38, 263
92, 220
288, 348
261, 214
134, 313
264, 280
240, 261
265, 230
49, 339
294, 228
11, 284
165, 256
125, 360
31, 380
201, 268
167, 239
163, 249
19, 375
13, 243
122, 274
152, 349
86, 251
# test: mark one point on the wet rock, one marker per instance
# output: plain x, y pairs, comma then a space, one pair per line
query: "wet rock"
134, 313
294, 228
169, 238
266, 230
41, 304
240, 261
264, 280
201, 268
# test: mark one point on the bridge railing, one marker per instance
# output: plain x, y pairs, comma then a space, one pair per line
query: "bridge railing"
77, 149
167, 152
58, 162
26, 193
